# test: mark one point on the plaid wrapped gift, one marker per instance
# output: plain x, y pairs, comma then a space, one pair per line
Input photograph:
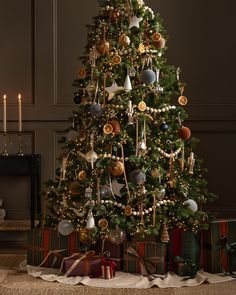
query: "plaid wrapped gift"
47, 248
219, 246
79, 264
186, 245
111, 252
145, 257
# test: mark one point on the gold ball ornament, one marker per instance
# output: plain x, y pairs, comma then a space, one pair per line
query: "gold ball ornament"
114, 15
117, 168
81, 72
156, 37
142, 106
103, 47
124, 40
82, 175
84, 236
160, 44
116, 60
103, 224
182, 100
116, 126
74, 188
155, 172
128, 210
107, 129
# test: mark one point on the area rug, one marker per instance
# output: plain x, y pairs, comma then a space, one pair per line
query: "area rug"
127, 280
14, 281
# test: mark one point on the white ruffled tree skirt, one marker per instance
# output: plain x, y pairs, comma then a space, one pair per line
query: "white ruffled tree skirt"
127, 280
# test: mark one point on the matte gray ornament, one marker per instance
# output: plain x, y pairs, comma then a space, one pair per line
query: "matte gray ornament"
148, 76
138, 177
96, 110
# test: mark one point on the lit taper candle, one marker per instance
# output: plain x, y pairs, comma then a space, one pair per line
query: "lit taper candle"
4, 113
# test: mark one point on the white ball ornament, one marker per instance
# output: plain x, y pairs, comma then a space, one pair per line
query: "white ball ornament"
65, 227
191, 204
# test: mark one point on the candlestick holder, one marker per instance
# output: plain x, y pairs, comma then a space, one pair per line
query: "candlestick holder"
5, 152
20, 152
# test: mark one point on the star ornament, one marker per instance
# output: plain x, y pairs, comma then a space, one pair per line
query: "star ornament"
116, 187
113, 89
134, 22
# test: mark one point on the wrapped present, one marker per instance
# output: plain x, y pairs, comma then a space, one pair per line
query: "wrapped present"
145, 257
46, 247
220, 246
184, 244
184, 267
107, 268
111, 251
78, 264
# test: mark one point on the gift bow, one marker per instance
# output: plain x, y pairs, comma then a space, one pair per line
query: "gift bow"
56, 253
146, 265
80, 256
178, 259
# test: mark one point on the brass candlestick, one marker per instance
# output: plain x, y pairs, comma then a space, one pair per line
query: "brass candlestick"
5, 152
20, 152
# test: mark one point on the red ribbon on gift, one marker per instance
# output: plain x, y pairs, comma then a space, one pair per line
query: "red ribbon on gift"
107, 268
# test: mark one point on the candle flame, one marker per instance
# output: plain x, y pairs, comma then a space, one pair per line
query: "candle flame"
4, 96
19, 96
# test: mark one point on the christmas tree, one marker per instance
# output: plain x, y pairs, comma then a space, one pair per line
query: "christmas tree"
128, 165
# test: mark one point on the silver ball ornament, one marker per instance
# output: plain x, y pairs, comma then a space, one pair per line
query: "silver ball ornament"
117, 236
105, 191
65, 227
148, 76
191, 204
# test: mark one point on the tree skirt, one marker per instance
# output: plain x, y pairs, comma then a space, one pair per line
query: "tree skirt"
127, 280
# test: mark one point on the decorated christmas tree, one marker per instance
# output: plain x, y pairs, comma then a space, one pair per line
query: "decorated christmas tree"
128, 165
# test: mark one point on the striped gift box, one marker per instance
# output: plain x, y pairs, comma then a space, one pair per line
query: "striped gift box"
152, 251
184, 244
42, 242
216, 258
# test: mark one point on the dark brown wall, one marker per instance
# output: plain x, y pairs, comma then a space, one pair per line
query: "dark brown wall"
40, 41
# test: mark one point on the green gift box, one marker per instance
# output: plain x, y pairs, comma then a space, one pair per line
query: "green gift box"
187, 246
46, 247
146, 257
219, 243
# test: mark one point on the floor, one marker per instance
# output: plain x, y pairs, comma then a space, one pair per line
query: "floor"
14, 281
